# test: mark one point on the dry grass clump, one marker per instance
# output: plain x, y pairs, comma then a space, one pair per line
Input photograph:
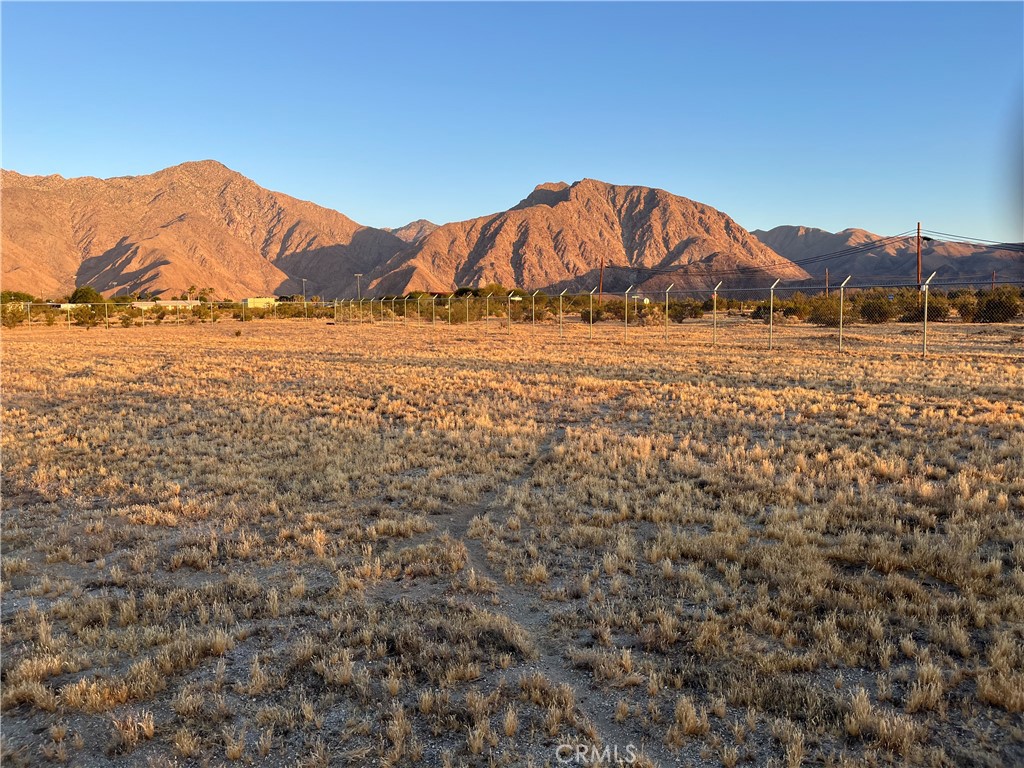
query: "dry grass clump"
314, 544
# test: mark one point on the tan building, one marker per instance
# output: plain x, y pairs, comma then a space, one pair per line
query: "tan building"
259, 302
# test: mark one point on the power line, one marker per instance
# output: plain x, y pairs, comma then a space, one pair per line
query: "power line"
990, 245
850, 251
962, 238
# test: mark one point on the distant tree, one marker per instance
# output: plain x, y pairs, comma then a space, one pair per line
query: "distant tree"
18, 296
86, 294
497, 289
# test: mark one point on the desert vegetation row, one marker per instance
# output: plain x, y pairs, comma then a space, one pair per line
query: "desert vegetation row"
872, 306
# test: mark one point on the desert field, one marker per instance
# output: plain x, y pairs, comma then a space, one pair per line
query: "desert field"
297, 543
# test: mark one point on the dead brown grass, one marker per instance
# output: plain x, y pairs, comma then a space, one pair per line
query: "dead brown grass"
311, 544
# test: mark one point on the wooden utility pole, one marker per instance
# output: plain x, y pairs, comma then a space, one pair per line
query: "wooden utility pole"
826, 282
919, 255
600, 284
993, 279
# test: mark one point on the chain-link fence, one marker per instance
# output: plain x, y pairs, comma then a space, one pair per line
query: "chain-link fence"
901, 317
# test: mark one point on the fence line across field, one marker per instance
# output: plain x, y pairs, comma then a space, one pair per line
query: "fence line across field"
936, 306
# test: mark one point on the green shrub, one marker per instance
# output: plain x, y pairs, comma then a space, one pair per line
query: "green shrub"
685, 310
966, 305
999, 306
824, 310
617, 309
85, 316
652, 315
938, 309
12, 315
877, 309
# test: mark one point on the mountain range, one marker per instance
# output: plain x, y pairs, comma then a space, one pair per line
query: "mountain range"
858, 252
201, 224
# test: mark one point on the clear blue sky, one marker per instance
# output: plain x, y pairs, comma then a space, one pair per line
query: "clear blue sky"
829, 115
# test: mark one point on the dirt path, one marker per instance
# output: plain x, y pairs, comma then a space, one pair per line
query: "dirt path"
525, 607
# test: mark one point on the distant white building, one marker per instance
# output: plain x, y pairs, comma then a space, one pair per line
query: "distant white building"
259, 302
169, 303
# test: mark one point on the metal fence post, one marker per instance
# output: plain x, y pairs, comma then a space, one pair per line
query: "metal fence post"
106, 315
533, 307
842, 289
670, 286
714, 314
243, 310
29, 321
625, 314
467, 309
433, 314
487, 309
560, 311
924, 335
771, 315
592, 312
69, 318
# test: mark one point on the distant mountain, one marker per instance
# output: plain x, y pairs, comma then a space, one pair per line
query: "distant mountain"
893, 259
201, 224
414, 231
198, 223
558, 237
